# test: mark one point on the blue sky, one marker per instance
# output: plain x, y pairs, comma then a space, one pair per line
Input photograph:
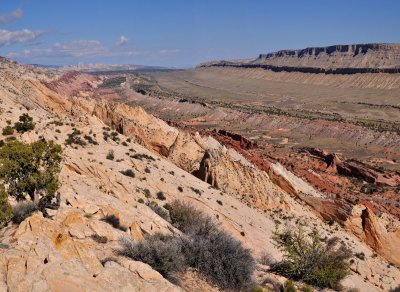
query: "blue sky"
182, 33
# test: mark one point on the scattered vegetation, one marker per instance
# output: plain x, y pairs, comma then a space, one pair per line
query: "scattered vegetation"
8, 130
74, 138
289, 286
160, 211
30, 169
161, 196
5, 208
128, 172
163, 253
114, 222
112, 82
24, 124
90, 140
360, 255
114, 136
309, 259
99, 238
204, 247
142, 156
147, 193
197, 191
110, 155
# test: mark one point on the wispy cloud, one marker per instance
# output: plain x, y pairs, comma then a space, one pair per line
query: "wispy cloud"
4, 18
78, 48
75, 49
169, 51
122, 41
8, 38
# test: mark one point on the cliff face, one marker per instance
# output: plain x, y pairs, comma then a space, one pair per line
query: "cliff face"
338, 56
337, 59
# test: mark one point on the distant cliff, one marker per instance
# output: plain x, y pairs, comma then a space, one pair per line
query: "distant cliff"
338, 59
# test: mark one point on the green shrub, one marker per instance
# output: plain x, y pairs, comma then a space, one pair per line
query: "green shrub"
161, 196
128, 172
24, 124
5, 208
8, 130
142, 156
307, 288
74, 138
289, 286
147, 193
30, 168
110, 155
360, 255
90, 140
321, 264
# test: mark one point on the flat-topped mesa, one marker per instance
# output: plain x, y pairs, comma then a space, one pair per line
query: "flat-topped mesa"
337, 59
372, 56
353, 50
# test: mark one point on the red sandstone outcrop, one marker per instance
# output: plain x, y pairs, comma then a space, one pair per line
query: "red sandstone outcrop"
353, 168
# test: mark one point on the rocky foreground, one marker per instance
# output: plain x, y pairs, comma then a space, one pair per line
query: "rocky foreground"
61, 254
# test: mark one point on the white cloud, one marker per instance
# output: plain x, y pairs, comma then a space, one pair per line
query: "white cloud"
4, 18
78, 48
122, 41
19, 36
169, 51
74, 49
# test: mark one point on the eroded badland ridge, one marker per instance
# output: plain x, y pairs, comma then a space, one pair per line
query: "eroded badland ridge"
246, 185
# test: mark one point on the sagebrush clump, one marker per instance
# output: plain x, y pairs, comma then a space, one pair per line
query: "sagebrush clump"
205, 247
162, 253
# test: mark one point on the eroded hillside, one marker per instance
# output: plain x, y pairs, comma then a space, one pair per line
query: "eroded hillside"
64, 251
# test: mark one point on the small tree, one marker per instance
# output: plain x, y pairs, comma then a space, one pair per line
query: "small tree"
25, 124
317, 263
5, 208
30, 168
